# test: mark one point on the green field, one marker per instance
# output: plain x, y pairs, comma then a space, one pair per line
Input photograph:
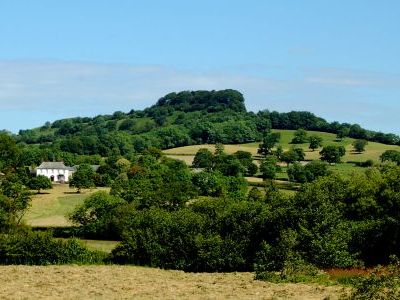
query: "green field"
347, 167
372, 150
51, 207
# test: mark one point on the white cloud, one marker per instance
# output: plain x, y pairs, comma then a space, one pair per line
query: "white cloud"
47, 90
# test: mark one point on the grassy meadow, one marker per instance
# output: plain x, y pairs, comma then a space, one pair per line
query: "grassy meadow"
372, 150
51, 207
130, 282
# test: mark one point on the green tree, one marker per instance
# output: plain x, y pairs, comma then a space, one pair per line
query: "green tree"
96, 214
269, 167
359, 145
315, 142
342, 133
83, 178
40, 182
391, 155
300, 137
246, 159
332, 153
269, 141
9, 152
203, 159
307, 173
292, 155
15, 199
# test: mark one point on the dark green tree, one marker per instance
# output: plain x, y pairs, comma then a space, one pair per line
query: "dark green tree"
300, 137
83, 178
292, 155
391, 155
315, 142
96, 214
9, 152
359, 145
269, 141
39, 183
269, 167
342, 133
332, 154
203, 159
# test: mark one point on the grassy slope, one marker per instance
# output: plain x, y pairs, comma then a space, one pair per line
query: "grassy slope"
373, 150
129, 282
51, 207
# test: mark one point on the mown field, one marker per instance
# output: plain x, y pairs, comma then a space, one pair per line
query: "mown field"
51, 207
129, 282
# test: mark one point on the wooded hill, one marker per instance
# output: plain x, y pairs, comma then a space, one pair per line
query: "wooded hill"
181, 119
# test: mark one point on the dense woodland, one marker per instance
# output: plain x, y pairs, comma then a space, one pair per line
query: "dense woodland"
169, 215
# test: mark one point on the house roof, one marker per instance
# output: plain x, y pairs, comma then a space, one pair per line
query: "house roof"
55, 165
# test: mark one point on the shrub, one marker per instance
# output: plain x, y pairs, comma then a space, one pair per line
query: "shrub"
40, 248
380, 284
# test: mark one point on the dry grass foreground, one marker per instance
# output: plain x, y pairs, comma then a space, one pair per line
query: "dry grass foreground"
129, 282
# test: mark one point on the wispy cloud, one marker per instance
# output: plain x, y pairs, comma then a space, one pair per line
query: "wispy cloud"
352, 78
32, 92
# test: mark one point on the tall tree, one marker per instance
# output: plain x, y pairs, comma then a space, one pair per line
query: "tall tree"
315, 142
83, 178
9, 152
269, 141
40, 182
300, 137
203, 159
269, 167
332, 153
359, 145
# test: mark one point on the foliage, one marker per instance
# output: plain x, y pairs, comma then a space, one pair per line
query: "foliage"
208, 236
343, 132
9, 152
315, 142
292, 155
307, 173
332, 153
40, 248
299, 137
359, 145
83, 178
246, 160
269, 167
203, 100
380, 284
391, 155
40, 182
203, 159
15, 200
269, 141
166, 183
96, 215
178, 119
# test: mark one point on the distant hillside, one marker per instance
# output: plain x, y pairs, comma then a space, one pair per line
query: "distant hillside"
181, 119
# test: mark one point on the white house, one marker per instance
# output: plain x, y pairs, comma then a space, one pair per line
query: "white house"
55, 171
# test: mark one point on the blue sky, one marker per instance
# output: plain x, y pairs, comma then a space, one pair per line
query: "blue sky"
338, 59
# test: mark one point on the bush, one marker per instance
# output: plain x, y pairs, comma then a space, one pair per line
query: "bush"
96, 215
380, 284
40, 248
365, 164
